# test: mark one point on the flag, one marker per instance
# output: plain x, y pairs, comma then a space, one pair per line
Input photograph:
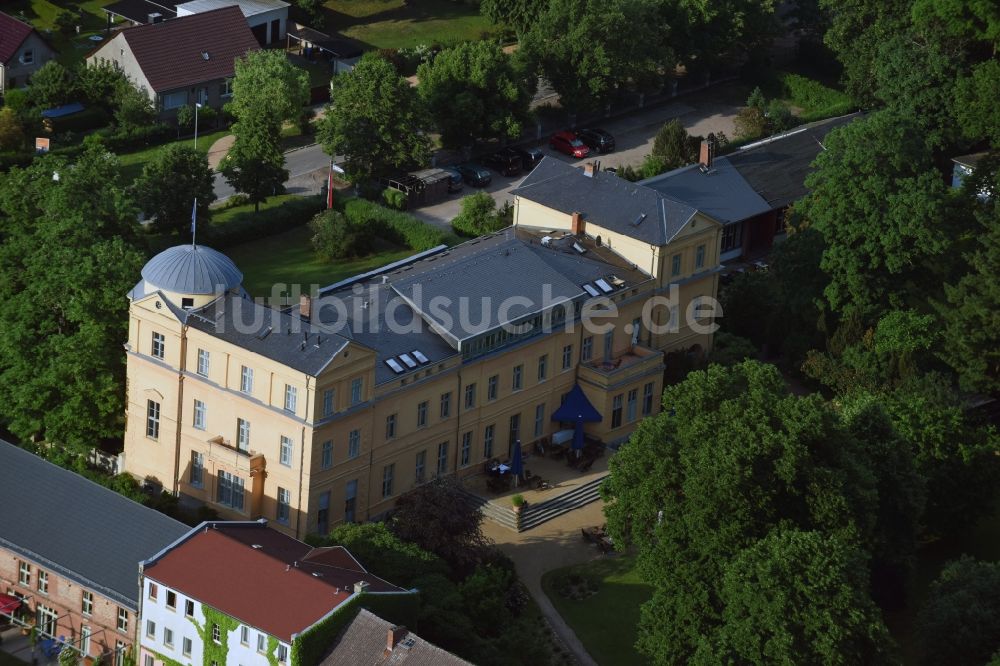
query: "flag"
329, 188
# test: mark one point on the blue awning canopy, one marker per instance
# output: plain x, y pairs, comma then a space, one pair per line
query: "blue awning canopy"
61, 111
576, 407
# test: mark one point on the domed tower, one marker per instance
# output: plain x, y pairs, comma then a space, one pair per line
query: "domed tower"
189, 276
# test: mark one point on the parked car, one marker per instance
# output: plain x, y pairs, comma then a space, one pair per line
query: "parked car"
474, 174
455, 179
530, 157
566, 142
597, 140
505, 161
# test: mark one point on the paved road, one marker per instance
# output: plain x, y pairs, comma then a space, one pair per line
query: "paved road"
700, 114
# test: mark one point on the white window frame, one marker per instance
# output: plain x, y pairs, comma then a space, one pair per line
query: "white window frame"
286, 451
152, 419
291, 398
24, 573
174, 100
199, 415
353, 444
243, 435
283, 511
158, 347
204, 362
122, 622
43, 581
246, 379
357, 390
87, 603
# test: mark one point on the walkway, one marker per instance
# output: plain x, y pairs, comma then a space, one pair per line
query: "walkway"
552, 545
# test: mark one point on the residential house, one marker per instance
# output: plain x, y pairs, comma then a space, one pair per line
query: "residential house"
370, 640
22, 52
182, 61
243, 593
749, 190
268, 19
69, 555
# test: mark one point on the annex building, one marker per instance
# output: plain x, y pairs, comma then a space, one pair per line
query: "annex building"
327, 412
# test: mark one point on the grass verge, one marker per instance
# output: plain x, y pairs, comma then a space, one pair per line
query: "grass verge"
132, 163
394, 24
607, 621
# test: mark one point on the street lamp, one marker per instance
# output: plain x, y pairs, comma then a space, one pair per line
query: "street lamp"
197, 105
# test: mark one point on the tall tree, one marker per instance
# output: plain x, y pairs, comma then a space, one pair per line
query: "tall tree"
960, 622
65, 264
579, 47
675, 146
52, 85
878, 201
255, 164
473, 92
518, 14
732, 456
169, 185
797, 597
375, 120
268, 89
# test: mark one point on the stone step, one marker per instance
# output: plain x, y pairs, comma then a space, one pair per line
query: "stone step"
537, 514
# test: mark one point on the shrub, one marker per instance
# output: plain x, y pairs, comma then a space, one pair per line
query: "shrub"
729, 349
185, 117
232, 226
16, 99
394, 198
12, 136
517, 500
674, 146
479, 216
652, 165
335, 237
629, 173
393, 225
66, 21
816, 100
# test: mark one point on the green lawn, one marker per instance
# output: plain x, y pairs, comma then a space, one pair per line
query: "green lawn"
289, 258
385, 24
132, 163
607, 621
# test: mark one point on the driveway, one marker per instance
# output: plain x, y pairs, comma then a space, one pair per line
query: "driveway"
552, 545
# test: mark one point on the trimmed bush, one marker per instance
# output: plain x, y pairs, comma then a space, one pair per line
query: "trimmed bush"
816, 100
334, 237
395, 226
394, 198
232, 226
479, 216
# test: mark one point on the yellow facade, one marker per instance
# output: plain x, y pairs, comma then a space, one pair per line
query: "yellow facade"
352, 461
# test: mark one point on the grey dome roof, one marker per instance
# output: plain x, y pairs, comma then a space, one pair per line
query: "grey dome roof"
192, 269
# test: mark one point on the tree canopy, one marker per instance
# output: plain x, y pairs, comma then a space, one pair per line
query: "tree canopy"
960, 622
169, 185
268, 89
375, 120
473, 92
255, 164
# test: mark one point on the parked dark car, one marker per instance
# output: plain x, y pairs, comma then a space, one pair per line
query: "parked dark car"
505, 161
597, 140
530, 157
474, 174
566, 142
455, 179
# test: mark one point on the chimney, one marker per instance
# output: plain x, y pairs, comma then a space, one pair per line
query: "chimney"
588, 169
578, 224
707, 153
305, 307
360, 587
394, 635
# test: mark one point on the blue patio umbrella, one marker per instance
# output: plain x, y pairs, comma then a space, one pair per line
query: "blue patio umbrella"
576, 409
517, 462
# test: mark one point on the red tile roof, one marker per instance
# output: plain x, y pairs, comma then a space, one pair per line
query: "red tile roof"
282, 587
12, 35
170, 52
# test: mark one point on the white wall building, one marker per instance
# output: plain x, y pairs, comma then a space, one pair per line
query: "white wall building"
268, 19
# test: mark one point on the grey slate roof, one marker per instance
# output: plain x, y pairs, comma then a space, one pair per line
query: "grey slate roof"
607, 200
192, 269
76, 528
721, 192
776, 168
365, 638
265, 331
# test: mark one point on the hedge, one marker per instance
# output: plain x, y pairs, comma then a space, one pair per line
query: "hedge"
232, 226
395, 226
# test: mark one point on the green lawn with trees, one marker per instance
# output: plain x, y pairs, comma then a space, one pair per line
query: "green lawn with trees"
600, 600
394, 24
134, 162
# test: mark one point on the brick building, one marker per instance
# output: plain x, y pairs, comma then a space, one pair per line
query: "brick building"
69, 555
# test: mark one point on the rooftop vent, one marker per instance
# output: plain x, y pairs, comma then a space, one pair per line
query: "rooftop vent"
637, 221
154, 17
204, 55
579, 248
256, 546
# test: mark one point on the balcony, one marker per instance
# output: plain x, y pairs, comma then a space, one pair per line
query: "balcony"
635, 362
220, 448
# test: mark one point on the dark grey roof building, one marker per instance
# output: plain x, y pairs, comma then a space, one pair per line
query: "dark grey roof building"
76, 528
370, 640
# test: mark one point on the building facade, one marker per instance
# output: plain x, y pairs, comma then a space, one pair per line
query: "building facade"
241, 593
69, 554
22, 52
327, 412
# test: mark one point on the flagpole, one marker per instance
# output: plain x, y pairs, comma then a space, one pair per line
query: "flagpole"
194, 223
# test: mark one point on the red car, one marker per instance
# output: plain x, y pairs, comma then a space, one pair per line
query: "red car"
566, 142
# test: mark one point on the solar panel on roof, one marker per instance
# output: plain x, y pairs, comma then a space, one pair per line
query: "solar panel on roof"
405, 358
396, 367
604, 286
590, 290
419, 355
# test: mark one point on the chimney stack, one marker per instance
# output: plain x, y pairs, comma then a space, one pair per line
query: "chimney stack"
578, 224
360, 587
395, 634
707, 153
588, 169
305, 307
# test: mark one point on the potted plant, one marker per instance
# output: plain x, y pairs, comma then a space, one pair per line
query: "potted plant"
518, 501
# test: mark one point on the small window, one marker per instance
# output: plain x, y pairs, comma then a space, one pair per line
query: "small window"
174, 100
616, 411
390, 426
153, 590
282, 654
631, 405
148, 660
87, 606
186, 647
285, 454
387, 474
418, 470
245, 635
187, 303
168, 637
216, 633
122, 620
261, 643
587, 350
357, 386
328, 402
284, 510
470, 396
199, 415
171, 599
27, 57
188, 608
543, 367
197, 469
291, 398
488, 441
24, 574
43, 581
203, 362
243, 435
647, 399
675, 265
150, 629
539, 420
567, 357
422, 414
446, 405
442, 467
159, 344
466, 448
517, 378
491, 387
152, 419
326, 455
699, 257
354, 444
246, 379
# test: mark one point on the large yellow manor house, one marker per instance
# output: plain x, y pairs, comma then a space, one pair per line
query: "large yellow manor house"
327, 411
